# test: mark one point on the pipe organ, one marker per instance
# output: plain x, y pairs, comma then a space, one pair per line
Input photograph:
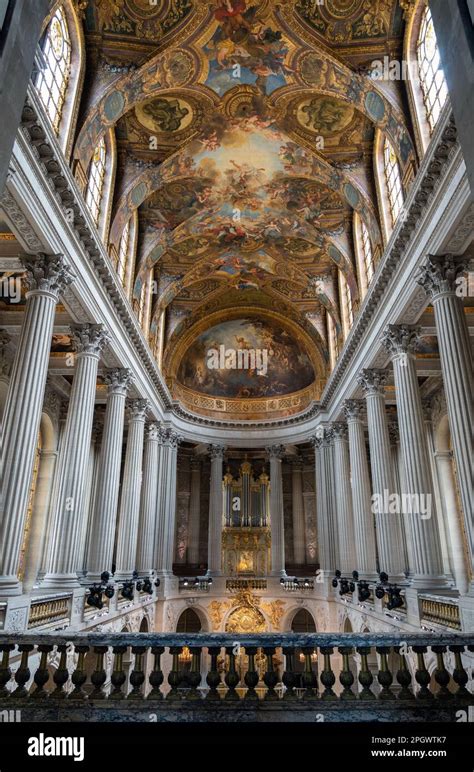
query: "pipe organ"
246, 523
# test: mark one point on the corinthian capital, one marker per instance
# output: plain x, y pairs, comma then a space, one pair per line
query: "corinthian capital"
119, 380
439, 274
372, 381
152, 432
138, 409
48, 273
215, 451
276, 451
89, 338
353, 409
400, 339
339, 430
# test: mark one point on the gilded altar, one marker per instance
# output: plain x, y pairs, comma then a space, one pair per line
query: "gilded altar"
246, 551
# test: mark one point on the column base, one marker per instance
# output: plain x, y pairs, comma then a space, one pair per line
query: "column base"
122, 576
397, 578
428, 582
280, 573
60, 582
369, 576
9, 586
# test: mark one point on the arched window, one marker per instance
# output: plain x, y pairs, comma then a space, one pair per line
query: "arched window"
347, 308
124, 248
55, 70
366, 253
393, 180
432, 81
95, 185
333, 341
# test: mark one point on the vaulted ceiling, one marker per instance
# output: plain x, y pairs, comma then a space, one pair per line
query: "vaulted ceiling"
245, 135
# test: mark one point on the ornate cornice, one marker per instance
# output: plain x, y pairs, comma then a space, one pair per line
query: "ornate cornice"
43, 144
444, 143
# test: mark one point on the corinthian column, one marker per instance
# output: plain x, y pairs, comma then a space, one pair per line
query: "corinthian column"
388, 519
299, 550
214, 567
101, 545
194, 513
345, 513
47, 277
148, 506
167, 506
326, 518
439, 278
276, 453
131, 487
400, 341
361, 495
89, 340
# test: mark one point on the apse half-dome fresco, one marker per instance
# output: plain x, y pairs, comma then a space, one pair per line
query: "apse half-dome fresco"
246, 358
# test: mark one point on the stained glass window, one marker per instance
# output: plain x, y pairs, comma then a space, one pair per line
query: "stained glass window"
95, 186
432, 81
53, 77
393, 180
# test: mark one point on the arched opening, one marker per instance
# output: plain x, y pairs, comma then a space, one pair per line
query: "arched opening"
303, 622
34, 533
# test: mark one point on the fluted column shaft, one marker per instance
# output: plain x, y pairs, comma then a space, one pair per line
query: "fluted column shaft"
47, 277
326, 517
277, 530
214, 567
439, 278
361, 493
101, 545
345, 513
194, 513
131, 489
299, 551
148, 506
170, 464
400, 340
388, 518
89, 340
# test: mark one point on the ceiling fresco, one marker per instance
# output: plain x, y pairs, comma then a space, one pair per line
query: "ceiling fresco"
245, 134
